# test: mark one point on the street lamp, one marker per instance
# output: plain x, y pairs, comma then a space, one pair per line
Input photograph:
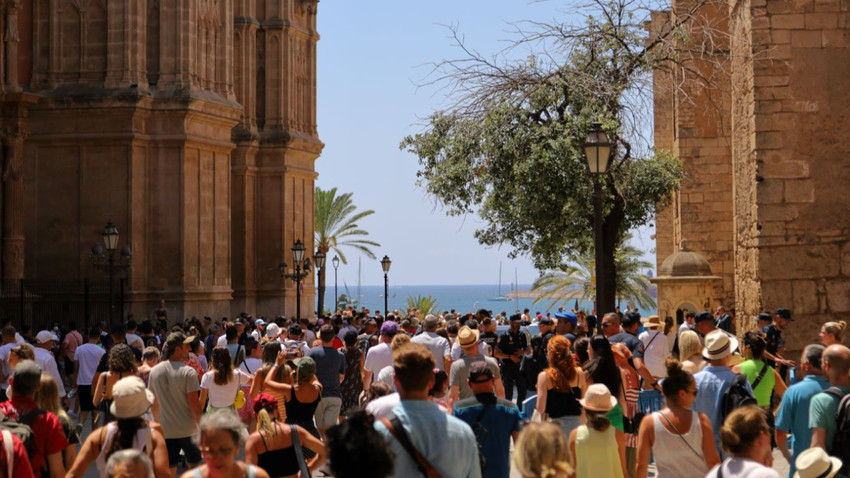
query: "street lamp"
319, 260
597, 152
108, 261
302, 270
335, 262
385, 264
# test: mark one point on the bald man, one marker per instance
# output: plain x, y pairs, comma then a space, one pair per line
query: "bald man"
836, 365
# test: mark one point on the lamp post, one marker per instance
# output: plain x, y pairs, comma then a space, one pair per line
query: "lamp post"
302, 270
110, 243
597, 152
385, 264
335, 262
319, 261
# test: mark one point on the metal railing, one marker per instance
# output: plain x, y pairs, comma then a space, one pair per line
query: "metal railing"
38, 303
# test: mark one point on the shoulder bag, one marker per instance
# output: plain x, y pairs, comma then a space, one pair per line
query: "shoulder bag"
299, 452
395, 427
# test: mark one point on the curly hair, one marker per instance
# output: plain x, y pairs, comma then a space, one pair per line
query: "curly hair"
222, 364
354, 446
562, 369
121, 359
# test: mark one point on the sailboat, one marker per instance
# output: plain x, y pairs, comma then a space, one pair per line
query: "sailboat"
500, 298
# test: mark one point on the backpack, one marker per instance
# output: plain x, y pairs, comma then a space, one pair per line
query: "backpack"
840, 446
20, 426
364, 343
736, 396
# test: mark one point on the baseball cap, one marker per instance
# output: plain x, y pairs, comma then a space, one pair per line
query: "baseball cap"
567, 316
764, 316
546, 321
46, 336
306, 366
26, 377
175, 338
389, 328
259, 322
516, 317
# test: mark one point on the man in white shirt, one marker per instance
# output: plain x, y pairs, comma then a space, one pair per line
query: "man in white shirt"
438, 346
688, 324
8, 335
86, 358
134, 339
655, 347
381, 355
45, 341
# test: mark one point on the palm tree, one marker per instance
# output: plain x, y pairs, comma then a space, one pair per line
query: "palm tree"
573, 280
425, 304
335, 226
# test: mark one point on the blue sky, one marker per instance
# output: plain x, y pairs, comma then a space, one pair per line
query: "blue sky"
371, 57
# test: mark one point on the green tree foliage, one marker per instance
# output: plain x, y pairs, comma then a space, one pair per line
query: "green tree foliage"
425, 304
335, 225
510, 147
573, 280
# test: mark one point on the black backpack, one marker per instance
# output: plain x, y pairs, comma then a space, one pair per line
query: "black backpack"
840, 446
737, 396
20, 426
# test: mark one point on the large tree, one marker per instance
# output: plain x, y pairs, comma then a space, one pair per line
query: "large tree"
510, 146
336, 226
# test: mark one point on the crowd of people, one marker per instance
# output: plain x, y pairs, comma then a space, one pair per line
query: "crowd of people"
444, 395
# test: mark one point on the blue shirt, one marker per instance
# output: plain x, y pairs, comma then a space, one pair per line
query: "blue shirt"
330, 362
794, 414
445, 441
496, 428
712, 382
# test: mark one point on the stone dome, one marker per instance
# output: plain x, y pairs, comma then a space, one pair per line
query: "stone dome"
685, 264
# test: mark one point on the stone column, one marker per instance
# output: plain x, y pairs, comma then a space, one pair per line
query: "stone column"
10, 41
13, 211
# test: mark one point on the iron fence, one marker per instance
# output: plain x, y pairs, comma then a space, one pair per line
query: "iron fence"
38, 303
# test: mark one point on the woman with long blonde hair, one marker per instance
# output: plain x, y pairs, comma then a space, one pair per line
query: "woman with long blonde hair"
560, 386
47, 398
541, 452
272, 448
690, 352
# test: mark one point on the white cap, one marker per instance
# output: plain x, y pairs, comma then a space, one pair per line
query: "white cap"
272, 331
46, 336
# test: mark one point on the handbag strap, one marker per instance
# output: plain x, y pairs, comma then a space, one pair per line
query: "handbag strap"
395, 427
679, 434
299, 453
760, 377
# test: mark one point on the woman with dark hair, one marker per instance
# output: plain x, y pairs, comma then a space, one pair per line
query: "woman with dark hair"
130, 430
356, 449
560, 386
581, 346
763, 378
745, 437
680, 439
352, 383
121, 362
602, 368
222, 382
271, 447
597, 449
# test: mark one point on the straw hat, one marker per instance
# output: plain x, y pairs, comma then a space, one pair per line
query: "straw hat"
815, 463
130, 398
718, 344
467, 337
653, 322
598, 399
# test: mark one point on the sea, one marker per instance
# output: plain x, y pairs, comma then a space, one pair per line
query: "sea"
461, 298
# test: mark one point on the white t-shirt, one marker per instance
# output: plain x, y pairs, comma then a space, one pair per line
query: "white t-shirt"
88, 355
742, 468
222, 341
438, 346
483, 349
4, 356
655, 352
251, 365
382, 406
223, 395
685, 326
47, 362
378, 357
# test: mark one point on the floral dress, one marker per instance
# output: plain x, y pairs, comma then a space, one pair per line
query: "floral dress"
352, 383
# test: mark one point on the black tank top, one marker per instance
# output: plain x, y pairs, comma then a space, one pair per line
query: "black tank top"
280, 462
297, 411
560, 404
